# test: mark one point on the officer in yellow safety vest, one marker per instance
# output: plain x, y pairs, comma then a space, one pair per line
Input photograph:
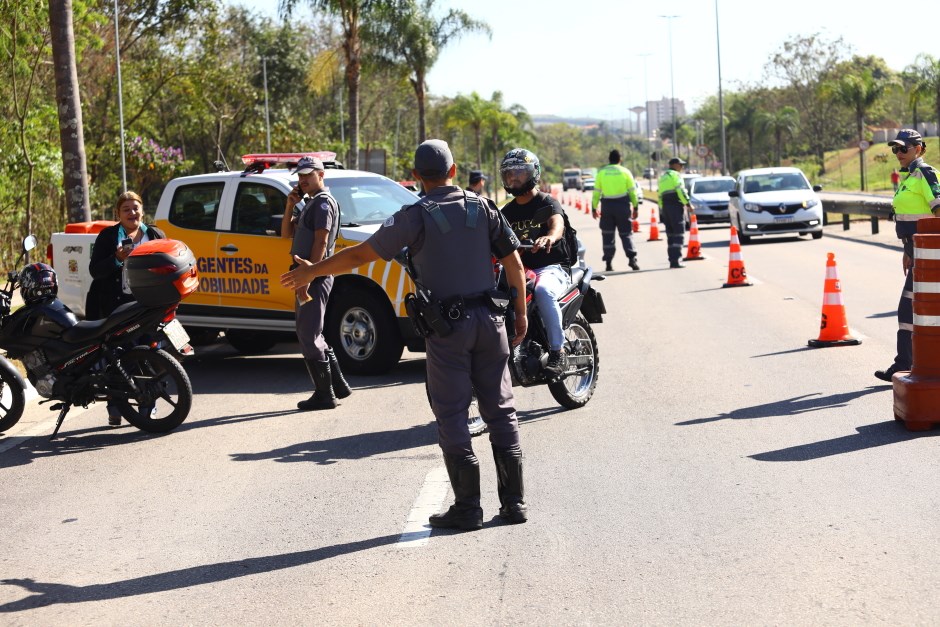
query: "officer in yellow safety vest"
917, 196
673, 203
615, 188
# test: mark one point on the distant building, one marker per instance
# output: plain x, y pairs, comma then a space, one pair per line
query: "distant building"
660, 111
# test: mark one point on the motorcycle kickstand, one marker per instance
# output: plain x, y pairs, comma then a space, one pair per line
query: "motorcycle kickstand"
65, 407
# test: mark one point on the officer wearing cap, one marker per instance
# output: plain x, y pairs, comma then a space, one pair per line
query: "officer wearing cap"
615, 191
311, 218
917, 196
477, 182
451, 234
673, 203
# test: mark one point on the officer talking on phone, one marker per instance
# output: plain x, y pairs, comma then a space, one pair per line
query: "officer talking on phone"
451, 234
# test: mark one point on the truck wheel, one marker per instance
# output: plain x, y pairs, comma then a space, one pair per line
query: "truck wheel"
249, 342
363, 332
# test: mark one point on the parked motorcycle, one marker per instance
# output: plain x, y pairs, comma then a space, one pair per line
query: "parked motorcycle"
118, 358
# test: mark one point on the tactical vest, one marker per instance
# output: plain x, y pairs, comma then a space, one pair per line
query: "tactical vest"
303, 236
455, 258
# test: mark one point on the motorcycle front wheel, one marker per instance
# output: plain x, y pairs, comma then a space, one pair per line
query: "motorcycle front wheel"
12, 400
164, 393
575, 390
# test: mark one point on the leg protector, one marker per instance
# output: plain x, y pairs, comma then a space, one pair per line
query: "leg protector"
323, 397
465, 513
340, 387
510, 485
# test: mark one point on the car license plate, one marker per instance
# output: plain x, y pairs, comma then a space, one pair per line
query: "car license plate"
177, 335
783, 219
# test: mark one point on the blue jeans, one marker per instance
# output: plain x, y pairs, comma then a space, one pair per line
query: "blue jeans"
551, 282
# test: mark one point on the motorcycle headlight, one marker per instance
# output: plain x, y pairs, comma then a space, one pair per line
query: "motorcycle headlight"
752, 207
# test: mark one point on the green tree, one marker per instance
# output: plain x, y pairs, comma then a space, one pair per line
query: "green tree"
470, 112
407, 33
782, 124
744, 118
859, 91
928, 86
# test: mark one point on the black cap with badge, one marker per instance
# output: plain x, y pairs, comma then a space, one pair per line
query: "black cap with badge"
476, 176
907, 136
433, 158
307, 164
676, 161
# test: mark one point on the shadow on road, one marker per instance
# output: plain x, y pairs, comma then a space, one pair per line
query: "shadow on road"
46, 594
887, 314
869, 436
790, 406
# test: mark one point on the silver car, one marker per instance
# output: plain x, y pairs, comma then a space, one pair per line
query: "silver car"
708, 196
775, 201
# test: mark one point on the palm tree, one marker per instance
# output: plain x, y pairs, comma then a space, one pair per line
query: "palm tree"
782, 123
351, 14
928, 86
744, 114
470, 112
409, 35
859, 91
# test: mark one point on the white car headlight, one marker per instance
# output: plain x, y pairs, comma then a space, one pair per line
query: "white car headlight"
809, 204
752, 207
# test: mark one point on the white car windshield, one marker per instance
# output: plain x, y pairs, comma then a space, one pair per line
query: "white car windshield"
774, 183
368, 200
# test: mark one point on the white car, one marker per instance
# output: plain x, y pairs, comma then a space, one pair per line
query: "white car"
708, 196
775, 201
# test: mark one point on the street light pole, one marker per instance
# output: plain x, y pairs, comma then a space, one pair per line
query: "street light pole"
721, 103
672, 82
267, 119
646, 103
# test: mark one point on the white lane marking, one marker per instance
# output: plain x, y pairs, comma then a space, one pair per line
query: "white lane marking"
430, 501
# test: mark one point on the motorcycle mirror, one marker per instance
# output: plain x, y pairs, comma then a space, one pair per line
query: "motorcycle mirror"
29, 243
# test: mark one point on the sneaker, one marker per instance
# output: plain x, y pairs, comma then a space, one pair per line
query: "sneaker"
609, 268
556, 363
888, 373
676, 264
634, 265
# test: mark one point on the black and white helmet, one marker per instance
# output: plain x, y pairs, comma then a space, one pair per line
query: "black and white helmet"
37, 281
520, 171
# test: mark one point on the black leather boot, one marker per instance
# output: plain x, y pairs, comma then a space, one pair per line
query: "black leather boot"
323, 397
465, 513
510, 485
340, 387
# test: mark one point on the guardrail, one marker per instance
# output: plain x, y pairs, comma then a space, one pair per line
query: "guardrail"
873, 206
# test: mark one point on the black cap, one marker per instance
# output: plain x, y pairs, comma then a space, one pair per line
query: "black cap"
907, 136
433, 158
476, 176
676, 161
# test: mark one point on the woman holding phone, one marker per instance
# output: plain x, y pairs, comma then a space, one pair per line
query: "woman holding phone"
109, 287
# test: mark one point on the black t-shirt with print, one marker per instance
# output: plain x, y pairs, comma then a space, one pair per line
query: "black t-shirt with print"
530, 221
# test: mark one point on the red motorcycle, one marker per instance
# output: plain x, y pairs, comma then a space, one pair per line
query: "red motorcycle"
118, 359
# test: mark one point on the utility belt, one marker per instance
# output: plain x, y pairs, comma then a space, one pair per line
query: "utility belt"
434, 316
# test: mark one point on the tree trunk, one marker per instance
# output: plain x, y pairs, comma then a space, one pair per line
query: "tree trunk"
419, 85
69, 106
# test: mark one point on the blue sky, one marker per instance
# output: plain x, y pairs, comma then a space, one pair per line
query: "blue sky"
582, 58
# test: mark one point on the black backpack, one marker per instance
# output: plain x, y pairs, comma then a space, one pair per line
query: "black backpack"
571, 241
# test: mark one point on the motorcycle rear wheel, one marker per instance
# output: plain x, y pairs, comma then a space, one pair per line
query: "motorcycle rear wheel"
12, 400
165, 394
575, 391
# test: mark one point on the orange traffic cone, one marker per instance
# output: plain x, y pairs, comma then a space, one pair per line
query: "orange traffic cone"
694, 252
577, 204
654, 230
587, 206
737, 275
833, 327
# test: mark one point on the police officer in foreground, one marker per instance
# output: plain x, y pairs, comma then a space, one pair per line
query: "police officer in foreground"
917, 197
615, 189
673, 203
311, 218
451, 235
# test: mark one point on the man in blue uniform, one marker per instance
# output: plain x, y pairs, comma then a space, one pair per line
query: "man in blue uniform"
451, 235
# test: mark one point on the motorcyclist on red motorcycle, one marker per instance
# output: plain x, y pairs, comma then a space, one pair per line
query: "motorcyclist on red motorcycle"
536, 217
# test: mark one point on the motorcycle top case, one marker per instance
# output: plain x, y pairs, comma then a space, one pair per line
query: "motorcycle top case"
161, 272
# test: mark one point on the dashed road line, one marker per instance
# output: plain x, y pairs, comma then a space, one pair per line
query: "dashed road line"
430, 501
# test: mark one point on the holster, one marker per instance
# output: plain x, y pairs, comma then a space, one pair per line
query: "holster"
427, 314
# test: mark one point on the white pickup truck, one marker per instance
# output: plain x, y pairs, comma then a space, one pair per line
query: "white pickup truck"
232, 221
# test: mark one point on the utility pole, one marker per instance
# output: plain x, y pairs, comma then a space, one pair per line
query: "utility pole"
672, 82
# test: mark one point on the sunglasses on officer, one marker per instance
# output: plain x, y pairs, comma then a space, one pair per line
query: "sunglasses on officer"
899, 149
